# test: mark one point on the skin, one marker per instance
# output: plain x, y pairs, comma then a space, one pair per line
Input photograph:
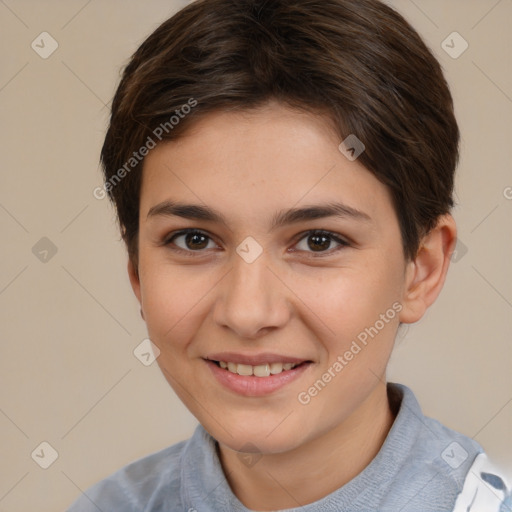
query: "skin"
299, 297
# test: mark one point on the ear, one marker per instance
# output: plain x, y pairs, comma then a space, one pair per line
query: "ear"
425, 275
133, 274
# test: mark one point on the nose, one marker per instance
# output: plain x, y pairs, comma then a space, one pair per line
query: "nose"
251, 300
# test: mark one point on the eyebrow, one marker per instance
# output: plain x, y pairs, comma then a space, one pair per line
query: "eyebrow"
282, 218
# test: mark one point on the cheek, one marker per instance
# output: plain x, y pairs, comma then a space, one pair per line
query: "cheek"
347, 300
172, 299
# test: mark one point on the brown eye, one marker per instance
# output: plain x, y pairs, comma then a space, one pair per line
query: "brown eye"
321, 242
190, 240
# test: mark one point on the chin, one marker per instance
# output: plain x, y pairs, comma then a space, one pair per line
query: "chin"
258, 440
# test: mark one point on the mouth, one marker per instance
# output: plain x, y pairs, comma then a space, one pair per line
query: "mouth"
260, 370
254, 380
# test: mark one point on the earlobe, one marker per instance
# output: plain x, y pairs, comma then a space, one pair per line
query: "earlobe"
425, 276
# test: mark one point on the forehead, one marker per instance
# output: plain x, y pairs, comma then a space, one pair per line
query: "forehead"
255, 163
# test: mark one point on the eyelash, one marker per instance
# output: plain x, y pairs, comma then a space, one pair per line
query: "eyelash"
314, 232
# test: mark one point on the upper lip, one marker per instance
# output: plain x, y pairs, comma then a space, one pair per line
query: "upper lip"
254, 359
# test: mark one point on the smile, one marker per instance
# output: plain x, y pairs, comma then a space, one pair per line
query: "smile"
256, 380
261, 370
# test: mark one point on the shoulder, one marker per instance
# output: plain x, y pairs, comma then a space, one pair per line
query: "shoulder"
443, 469
436, 459
152, 480
485, 489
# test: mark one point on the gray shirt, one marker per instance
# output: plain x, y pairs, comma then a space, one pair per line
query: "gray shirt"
421, 467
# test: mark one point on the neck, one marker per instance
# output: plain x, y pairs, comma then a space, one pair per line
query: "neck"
283, 480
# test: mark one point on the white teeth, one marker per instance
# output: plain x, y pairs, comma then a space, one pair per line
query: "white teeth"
276, 368
244, 369
261, 370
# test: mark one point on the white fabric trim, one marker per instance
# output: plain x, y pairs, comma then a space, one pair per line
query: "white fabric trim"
478, 494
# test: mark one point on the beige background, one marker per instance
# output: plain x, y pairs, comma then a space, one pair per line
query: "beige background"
70, 324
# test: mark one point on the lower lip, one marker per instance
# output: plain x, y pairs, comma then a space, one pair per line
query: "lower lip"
249, 385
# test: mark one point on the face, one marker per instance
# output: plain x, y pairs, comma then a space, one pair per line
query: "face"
286, 252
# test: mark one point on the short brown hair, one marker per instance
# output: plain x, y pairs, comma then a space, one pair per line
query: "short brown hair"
357, 61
